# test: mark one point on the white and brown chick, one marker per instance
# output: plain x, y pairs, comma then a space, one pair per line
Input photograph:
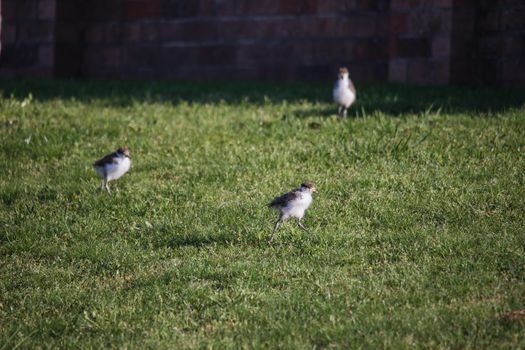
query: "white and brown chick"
292, 204
113, 166
344, 92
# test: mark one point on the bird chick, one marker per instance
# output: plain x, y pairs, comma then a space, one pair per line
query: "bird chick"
112, 166
344, 92
292, 204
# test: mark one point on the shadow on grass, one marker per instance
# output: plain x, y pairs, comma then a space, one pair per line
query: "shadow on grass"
392, 99
198, 241
325, 112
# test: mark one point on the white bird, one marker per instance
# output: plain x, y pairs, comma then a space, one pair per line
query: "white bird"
112, 166
292, 204
344, 92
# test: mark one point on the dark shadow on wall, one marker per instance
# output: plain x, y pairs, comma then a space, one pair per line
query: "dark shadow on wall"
391, 99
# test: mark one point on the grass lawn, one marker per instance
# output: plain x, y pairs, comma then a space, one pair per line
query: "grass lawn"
416, 237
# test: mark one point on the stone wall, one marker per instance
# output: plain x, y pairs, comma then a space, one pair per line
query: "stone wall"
422, 41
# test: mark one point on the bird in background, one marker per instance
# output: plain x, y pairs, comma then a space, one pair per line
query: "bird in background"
292, 204
113, 166
344, 92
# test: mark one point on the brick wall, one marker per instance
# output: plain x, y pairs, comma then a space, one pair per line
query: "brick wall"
420, 40
27, 38
500, 45
423, 41
237, 39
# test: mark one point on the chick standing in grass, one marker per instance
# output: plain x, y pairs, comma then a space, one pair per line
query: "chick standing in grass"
292, 204
344, 92
113, 166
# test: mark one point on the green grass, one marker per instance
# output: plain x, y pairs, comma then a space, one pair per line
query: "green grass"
417, 230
